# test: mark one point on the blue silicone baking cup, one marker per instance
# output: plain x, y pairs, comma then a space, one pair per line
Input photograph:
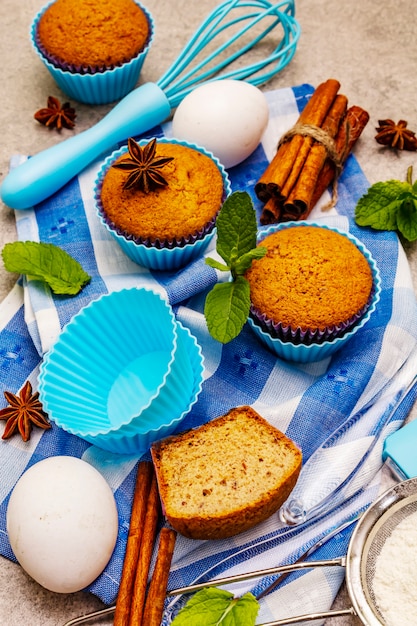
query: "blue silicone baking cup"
302, 346
160, 255
94, 86
121, 368
135, 439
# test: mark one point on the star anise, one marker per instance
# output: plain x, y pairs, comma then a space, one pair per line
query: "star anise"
25, 410
396, 135
143, 166
55, 115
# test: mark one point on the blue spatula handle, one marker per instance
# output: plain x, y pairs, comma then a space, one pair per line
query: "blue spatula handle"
400, 451
46, 172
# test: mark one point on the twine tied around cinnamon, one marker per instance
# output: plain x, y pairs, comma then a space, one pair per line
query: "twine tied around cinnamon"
318, 134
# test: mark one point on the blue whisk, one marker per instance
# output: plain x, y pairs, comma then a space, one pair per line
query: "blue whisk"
177, 84
232, 22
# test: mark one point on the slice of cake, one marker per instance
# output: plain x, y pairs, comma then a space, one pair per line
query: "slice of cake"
226, 476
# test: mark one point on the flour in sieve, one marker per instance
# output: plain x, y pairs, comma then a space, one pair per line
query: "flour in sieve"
394, 583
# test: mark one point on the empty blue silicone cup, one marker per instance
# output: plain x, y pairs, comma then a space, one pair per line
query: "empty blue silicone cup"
137, 437
155, 257
94, 87
121, 368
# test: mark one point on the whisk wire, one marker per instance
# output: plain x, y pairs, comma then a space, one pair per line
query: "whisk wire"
193, 46
177, 81
191, 74
197, 44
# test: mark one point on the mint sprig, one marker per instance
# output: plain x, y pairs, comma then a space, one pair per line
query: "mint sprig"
46, 262
227, 304
216, 607
390, 205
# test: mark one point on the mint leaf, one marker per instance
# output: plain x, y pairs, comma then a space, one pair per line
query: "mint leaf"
227, 306
244, 612
46, 262
217, 265
216, 607
378, 207
226, 309
245, 261
407, 217
390, 206
236, 226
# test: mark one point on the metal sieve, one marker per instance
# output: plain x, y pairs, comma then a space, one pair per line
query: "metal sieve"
367, 542
368, 538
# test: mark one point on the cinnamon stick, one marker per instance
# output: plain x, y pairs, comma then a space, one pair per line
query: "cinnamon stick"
291, 154
299, 198
271, 211
349, 132
137, 518
145, 556
154, 606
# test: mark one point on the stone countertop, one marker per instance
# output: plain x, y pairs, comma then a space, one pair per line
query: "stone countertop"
370, 47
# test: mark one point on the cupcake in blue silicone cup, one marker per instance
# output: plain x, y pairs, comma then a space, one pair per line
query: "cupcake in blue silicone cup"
315, 288
159, 199
94, 49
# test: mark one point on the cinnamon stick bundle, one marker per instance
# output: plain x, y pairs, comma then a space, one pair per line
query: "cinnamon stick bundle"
349, 132
291, 154
299, 198
137, 603
312, 152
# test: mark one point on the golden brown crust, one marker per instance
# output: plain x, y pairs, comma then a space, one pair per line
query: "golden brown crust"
212, 527
227, 476
189, 201
96, 33
311, 278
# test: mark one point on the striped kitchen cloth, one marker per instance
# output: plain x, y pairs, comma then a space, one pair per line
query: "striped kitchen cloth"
338, 410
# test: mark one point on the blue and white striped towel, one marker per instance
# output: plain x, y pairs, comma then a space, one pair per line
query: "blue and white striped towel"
338, 410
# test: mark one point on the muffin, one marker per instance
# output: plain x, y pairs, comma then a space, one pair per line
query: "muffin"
94, 49
314, 285
173, 221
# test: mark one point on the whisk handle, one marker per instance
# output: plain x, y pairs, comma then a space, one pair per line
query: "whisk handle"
49, 170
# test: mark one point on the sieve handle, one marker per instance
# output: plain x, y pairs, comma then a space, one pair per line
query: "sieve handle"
321, 542
49, 170
400, 451
281, 569
310, 617
292, 620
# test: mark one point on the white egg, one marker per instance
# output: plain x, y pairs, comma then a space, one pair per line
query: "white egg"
62, 523
227, 117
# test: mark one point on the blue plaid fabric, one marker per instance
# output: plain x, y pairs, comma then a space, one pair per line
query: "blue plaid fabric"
338, 411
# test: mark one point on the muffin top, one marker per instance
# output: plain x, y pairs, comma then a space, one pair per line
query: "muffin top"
183, 207
93, 33
311, 278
